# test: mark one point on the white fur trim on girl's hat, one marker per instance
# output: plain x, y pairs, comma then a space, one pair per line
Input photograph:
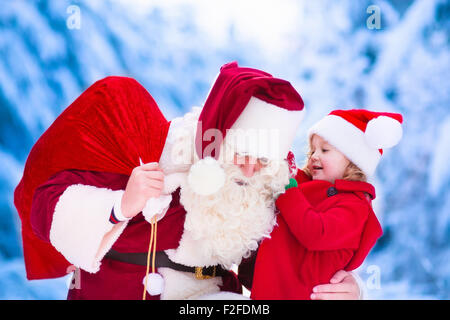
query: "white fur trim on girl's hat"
206, 176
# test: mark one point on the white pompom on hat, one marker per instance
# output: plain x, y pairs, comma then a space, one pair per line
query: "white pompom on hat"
206, 176
383, 132
361, 135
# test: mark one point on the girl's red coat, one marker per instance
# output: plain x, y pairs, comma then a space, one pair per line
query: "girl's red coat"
322, 228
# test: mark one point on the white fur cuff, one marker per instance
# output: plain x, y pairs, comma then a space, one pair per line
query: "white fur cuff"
80, 229
156, 207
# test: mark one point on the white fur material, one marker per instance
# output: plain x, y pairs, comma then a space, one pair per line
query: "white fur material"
264, 130
173, 181
156, 207
349, 140
206, 176
383, 132
178, 153
80, 229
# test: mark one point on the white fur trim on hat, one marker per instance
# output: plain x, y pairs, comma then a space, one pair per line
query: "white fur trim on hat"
265, 130
349, 140
206, 176
383, 132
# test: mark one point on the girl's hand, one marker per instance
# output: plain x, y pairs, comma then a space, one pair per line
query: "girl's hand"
342, 286
146, 181
292, 184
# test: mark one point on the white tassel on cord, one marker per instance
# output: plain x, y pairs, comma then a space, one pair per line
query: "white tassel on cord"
154, 282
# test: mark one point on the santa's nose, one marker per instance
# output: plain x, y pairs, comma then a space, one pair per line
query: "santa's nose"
249, 170
248, 165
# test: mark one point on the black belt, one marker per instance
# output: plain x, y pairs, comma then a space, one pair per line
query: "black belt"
163, 261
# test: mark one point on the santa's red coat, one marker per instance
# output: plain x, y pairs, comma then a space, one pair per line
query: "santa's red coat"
115, 279
322, 228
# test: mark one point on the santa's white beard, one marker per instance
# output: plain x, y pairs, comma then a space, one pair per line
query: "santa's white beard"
225, 227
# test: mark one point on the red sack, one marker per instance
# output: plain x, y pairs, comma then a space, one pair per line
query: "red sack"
107, 128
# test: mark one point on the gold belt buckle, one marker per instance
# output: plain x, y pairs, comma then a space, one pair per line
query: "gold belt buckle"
199, 273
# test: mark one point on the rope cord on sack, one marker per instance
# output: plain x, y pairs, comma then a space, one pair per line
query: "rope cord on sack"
153, 233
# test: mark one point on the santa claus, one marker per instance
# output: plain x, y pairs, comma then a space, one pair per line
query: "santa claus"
147, 208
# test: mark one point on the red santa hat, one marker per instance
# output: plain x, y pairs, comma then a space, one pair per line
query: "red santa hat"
260, 112
361, 135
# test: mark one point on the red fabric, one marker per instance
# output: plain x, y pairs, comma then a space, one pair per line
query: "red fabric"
107, 129
317, 235
115, 280
231, 93
360, 117
291, 163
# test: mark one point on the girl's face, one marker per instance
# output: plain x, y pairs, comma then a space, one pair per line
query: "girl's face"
325, 161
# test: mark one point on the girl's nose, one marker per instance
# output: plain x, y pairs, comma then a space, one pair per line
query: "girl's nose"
314, 157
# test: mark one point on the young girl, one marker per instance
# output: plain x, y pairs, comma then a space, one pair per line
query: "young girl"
326, 223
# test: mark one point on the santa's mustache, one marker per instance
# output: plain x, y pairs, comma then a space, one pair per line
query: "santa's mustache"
265, 179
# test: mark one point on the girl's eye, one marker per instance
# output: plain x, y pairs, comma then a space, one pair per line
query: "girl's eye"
324, 150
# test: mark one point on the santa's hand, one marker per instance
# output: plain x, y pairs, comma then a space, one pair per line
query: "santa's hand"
146, 181
343, 286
